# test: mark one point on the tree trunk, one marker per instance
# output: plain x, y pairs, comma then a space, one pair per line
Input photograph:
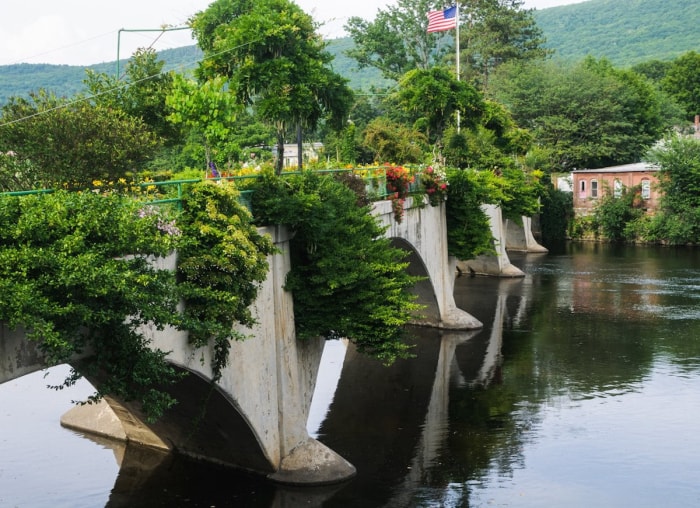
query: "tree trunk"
279, 163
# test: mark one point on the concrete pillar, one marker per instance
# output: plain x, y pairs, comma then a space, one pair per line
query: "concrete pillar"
497, 264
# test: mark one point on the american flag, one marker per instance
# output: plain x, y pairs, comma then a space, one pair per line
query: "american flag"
439, 21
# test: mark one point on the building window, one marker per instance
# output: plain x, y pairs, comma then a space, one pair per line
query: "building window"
594, 188
617, 188
646, 189
582, 189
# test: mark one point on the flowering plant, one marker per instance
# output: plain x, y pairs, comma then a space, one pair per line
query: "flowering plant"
398, 182
434, 181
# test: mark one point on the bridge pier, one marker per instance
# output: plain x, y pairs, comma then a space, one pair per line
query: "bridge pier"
269, 380
423, 231
507, 235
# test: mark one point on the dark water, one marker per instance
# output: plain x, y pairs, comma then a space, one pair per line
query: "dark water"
582, 390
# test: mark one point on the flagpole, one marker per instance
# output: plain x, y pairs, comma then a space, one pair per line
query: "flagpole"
457, 46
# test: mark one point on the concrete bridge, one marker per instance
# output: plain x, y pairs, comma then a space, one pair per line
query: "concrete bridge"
255, 417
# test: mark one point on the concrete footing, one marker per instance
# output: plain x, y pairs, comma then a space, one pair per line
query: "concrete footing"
312, 463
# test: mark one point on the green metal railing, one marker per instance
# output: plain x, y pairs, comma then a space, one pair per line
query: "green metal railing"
375, 184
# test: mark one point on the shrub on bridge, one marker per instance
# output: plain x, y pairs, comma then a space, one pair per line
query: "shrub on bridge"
346, 278
221, 262
73, 267
75, 272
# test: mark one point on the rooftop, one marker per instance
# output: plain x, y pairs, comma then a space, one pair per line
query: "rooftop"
625, 168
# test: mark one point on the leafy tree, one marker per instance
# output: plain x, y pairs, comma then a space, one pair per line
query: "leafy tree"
653, 70
391, 141
346, 278
678, 221
588, 114
206, 110
492, 143
274, 61
431, 98
141, 94
17, 174
74, 142
682, 82
557, 211
397, 40
494, 31
614, 213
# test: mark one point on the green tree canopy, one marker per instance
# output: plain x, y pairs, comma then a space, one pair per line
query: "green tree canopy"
496, 32
141, 93
588, 114
491, 32
74, 142
397, 41
682, 82
274, 61
431, 98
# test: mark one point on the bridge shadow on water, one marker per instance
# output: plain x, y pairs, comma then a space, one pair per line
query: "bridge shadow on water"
390, 422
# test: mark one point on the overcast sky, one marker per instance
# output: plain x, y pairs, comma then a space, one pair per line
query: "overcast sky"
82, 32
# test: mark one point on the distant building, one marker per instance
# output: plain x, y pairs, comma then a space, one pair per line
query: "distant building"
589, 185
310, 153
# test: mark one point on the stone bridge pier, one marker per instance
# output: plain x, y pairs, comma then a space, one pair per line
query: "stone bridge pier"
423, 232
507, 235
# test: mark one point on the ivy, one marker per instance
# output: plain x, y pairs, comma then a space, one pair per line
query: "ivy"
75, 273
222, 261
346, 277
468, 227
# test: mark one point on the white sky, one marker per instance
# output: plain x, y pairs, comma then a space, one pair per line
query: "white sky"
82, 32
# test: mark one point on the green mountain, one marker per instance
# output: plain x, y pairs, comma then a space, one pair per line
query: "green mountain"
624, 31
67, 80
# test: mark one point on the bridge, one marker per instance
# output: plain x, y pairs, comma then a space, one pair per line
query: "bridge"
255, 417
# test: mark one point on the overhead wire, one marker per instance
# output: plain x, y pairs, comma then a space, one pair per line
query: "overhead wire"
118, 87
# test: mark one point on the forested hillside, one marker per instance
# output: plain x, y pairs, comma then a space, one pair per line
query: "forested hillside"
67, 80
624, 31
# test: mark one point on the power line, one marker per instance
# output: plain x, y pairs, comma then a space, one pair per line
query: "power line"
121, 86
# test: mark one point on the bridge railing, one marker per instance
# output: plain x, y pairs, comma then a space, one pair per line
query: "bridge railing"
170, 192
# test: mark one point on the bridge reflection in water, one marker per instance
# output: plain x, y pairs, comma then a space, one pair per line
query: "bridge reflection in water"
391, 422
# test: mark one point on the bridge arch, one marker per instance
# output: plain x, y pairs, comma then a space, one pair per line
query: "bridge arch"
424, 228
424, 289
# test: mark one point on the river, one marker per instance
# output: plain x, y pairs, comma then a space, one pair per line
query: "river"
582, 390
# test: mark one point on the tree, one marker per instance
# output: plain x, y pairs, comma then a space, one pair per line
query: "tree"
397, 41
205, 109
275, 62
74, 142
589, 115
431, 98
391, 141
495, 31
142, 94
682, 82
678, 221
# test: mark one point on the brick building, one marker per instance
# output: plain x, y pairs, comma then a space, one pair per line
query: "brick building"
589, 185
